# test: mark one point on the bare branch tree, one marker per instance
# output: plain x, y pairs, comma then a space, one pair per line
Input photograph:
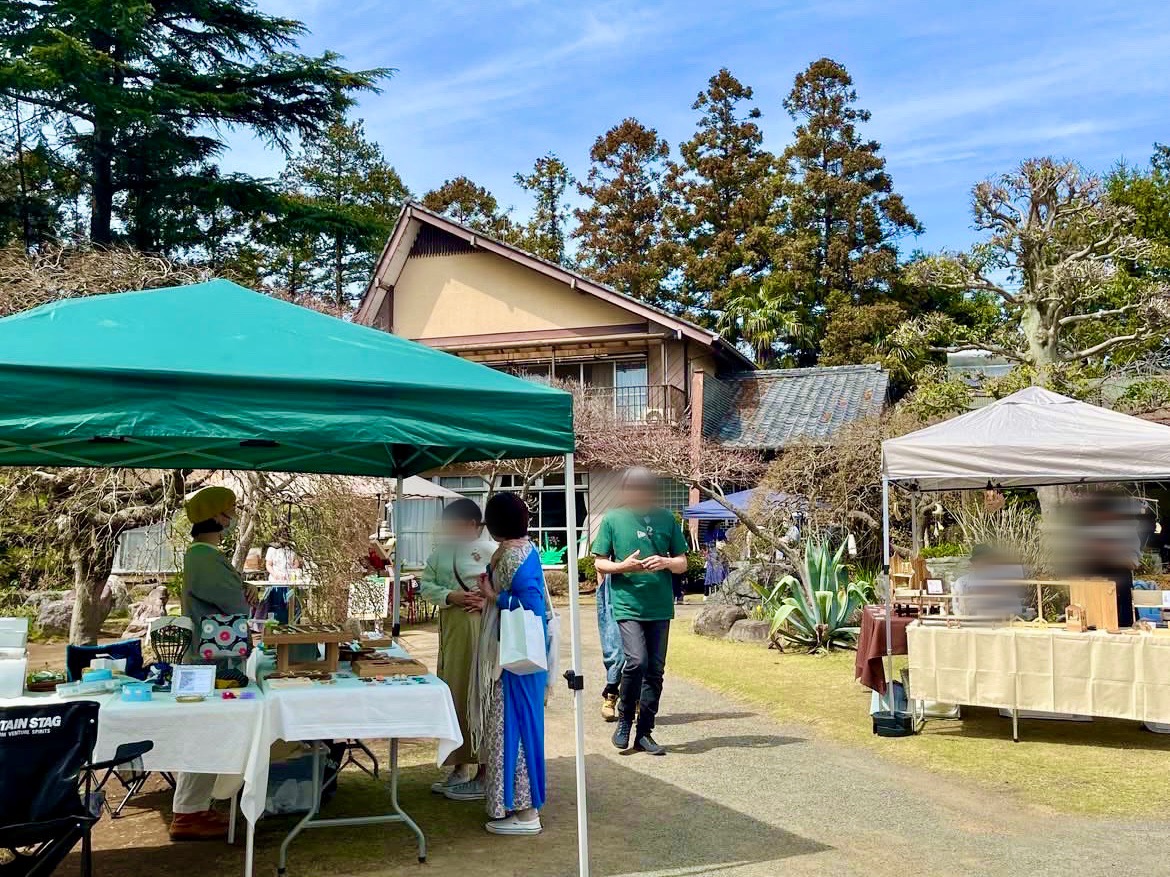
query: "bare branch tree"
1054, 250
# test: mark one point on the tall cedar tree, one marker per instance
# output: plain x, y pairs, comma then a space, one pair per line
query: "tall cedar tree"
843, 217
622, 229
353, 196
548, 180
473, 205
722, 193
149, 87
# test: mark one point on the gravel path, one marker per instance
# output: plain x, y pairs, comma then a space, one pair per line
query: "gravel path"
740, 794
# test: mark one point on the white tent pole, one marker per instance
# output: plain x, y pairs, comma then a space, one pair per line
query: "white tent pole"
396, 628
574, 675
889, 593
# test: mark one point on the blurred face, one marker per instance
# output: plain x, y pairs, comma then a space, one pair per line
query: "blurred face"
227, 519
465, 531
639, 496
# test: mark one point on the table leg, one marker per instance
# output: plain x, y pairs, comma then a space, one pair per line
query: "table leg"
249, 848
307, 818
1015, 725
397, 814
232, 819
422, 839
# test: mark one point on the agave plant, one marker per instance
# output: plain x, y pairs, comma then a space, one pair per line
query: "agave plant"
820, 608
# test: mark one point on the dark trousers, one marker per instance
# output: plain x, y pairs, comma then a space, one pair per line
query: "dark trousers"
644, 644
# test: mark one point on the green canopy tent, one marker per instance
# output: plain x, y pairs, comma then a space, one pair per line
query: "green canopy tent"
216, 376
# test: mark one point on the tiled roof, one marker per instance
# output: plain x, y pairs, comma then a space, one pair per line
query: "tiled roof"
770, 409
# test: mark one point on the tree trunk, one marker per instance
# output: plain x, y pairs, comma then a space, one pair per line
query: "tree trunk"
1041, 344
102, 186
90, 606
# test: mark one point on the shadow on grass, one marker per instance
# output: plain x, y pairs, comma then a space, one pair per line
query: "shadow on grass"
982, 723
637, 823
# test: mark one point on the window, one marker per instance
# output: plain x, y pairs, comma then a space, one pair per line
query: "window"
546, 499
674, 495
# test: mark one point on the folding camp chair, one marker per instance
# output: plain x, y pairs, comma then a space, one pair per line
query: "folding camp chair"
47, 772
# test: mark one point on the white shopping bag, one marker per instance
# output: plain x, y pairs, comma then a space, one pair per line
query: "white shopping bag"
522, 649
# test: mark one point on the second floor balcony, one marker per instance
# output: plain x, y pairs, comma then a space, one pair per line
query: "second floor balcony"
642, 404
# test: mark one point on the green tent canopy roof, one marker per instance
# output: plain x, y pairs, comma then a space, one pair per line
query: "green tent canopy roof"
213, 375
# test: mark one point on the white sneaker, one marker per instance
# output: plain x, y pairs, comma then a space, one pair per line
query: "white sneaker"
459, 775
513, 825
472, 790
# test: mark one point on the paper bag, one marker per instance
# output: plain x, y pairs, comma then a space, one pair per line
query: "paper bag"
522, 649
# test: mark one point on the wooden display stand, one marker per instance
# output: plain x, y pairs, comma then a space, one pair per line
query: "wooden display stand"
286, 635
1099, 599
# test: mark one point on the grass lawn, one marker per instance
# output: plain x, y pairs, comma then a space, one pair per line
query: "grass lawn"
1100, 768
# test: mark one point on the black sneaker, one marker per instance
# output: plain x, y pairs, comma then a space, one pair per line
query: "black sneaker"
645, 743
621, 737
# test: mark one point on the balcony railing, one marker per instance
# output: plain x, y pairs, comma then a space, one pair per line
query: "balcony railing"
650, 404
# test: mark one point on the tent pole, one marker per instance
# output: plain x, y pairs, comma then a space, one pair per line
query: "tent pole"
915, 527
576, 682
396, 627
889, 593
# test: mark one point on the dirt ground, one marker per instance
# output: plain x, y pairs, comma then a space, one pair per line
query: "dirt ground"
739, 794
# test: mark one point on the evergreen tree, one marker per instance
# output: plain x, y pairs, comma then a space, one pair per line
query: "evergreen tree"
722, 195
169, 76
472, 205
839, 199
38, 187
350, 196
545, 234
622, 229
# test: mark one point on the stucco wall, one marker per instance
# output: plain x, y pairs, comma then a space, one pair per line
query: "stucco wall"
482, 293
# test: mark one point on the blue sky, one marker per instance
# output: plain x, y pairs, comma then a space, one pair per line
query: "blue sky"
958, 90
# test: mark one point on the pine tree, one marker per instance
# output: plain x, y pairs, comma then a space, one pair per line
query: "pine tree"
622, 229
722, 195
351, 196
173, 76
839, 197
472, 205
545, 234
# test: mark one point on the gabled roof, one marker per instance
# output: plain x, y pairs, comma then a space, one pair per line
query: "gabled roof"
769, 409
414, 217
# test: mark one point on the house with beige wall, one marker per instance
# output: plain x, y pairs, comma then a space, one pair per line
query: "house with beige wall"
448, 286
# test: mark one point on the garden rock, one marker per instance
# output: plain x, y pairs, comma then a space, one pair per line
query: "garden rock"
717, 619
748, 630
117, 593
54, 616
145, 611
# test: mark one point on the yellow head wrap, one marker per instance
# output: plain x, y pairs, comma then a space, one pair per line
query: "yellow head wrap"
209, 502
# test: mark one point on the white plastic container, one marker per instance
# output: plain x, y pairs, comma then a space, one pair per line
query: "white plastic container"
12, 672
13, 633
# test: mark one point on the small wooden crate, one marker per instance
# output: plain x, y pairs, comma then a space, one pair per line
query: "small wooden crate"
286, 635
385, 665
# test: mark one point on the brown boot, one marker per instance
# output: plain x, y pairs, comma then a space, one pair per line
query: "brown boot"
609, 707
207, 825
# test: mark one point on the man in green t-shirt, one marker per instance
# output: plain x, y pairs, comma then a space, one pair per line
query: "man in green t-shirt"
640, 546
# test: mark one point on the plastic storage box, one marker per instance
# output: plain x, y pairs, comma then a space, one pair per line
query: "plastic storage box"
13, 633
136, 692
12, 671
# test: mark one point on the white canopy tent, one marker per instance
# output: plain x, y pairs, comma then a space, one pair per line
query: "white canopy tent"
1032, 438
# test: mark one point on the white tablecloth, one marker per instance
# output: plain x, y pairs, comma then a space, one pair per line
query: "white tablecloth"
353, 709
234, 736
1124, 676
215, 736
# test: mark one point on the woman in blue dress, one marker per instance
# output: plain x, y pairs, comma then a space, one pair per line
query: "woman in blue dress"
507, 710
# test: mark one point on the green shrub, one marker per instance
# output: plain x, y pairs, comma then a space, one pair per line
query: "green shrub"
586, 568
696, 568
944, 549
